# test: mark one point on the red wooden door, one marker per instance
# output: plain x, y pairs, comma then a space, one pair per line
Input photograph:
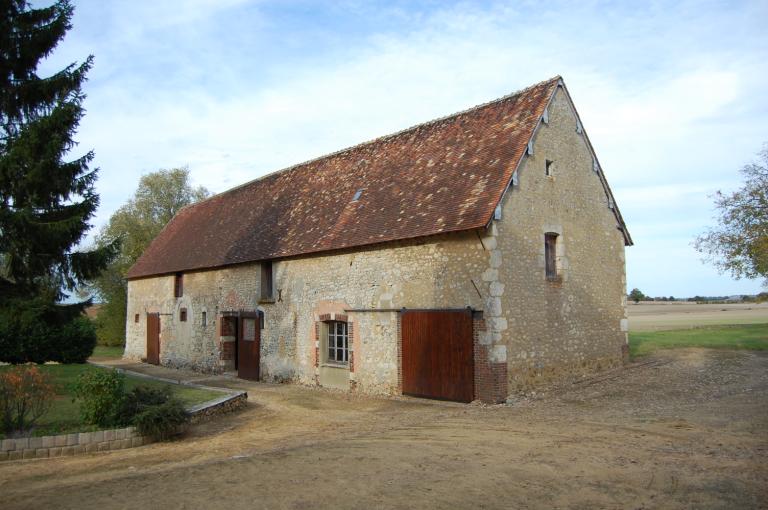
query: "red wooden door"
248, 346
438, 354
153, 338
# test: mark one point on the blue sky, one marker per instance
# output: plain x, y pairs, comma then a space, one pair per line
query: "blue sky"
670, 93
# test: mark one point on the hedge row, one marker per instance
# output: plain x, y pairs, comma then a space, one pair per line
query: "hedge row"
37, 331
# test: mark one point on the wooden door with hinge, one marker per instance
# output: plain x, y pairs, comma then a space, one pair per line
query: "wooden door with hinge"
153, 338
438, 354
248, 346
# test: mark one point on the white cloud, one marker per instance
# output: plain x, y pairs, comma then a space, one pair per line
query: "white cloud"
672, 110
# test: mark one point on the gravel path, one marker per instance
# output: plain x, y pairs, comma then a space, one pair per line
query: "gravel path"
685, 429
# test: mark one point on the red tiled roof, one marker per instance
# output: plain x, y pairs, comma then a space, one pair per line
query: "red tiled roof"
442, 176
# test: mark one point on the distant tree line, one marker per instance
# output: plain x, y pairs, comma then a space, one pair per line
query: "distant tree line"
637, 295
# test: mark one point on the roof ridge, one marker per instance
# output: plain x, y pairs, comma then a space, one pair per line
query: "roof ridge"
380, 138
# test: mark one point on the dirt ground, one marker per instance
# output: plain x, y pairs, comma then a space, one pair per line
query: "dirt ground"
656, 316
684, 429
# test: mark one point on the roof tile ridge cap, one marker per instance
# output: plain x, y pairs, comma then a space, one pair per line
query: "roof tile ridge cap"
351, 148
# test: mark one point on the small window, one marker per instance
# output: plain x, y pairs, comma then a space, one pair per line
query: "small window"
261, 319
228, 325
178, 285
550, 255
548, 168
183, 315
249, 329
136, 318
267, 291
357, 195
204, 319
337, 342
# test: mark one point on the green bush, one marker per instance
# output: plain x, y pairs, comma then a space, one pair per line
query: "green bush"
139, 399
154, 412
101, 394
162, 421
110, 325
37, 331
77, 340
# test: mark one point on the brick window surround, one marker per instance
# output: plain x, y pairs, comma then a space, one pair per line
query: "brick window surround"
321, 338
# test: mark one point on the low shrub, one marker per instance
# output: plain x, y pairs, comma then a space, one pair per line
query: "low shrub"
163, 420
101, 394
26, 394
154, 412
139, 399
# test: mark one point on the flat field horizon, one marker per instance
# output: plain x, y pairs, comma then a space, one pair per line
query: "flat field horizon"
660, 315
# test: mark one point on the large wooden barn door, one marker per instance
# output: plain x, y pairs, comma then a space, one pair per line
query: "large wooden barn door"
438, 354
153, 338
248, 346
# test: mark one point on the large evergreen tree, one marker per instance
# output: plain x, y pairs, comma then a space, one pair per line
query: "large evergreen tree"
46, 199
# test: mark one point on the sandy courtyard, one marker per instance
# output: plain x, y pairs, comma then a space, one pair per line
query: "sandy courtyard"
685, 429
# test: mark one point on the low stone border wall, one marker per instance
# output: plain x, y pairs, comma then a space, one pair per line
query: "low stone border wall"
226, 404
117, 439
70, 444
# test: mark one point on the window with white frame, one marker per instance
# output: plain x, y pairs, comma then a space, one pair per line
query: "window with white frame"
337, 342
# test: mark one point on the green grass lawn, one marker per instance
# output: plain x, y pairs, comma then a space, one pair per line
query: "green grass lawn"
744, 336
103, 351
64, 415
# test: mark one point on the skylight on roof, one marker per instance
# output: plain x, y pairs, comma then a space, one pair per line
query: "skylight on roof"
357, 195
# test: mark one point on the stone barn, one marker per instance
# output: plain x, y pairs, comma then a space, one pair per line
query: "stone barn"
467, 258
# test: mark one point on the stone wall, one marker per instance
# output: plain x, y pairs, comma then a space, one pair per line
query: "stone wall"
70, 444
441, 272
224, 405
192, 343
575, 323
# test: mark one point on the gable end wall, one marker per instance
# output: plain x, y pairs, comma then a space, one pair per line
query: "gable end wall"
576, 325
